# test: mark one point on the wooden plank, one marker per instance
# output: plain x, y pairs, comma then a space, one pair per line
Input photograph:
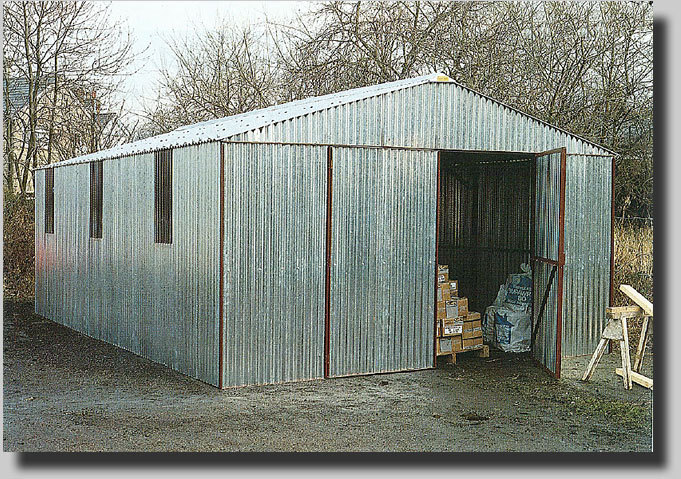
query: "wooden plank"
638, 378
615, 312
642, 342
624, 351
474, 348
602, 344
637, 298
481, 349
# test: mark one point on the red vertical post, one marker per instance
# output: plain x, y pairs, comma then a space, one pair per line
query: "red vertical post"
612, 236
221, 320
561, 262
437, 241
327, 292
533, 252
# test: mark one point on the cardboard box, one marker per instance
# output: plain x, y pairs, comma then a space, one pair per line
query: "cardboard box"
457, 307
441, 309
457, 344
463, 305
472, 326
449, 327
443, 292
442, 273
454, 287
475, 325
472, 343
444, 346
471, 334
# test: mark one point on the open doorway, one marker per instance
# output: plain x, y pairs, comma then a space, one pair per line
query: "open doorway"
485, 216
497, 210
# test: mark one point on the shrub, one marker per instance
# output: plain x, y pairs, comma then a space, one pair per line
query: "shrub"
18, 247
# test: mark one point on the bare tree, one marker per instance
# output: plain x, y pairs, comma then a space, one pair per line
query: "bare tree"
221, 72
71, 58
342, 45
586, 67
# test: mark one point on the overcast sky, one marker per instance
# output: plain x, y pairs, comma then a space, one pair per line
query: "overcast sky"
152, 23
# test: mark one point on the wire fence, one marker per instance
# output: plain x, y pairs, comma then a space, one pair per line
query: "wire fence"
635, 220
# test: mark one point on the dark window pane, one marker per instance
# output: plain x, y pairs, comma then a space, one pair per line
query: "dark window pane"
163, 196
49, 200
96, 177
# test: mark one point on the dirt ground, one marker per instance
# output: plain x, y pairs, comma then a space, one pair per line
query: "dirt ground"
66, 392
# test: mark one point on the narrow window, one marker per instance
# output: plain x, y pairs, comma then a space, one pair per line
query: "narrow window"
96, 199
49, 200
163, 197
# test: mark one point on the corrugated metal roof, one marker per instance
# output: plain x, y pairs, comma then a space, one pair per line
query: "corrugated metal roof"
224, 128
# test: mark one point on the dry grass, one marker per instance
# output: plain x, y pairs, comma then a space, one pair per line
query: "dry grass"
633, 266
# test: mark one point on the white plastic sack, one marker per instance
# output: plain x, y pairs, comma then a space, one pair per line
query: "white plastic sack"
512, 330
487, 325
506, 323
519, 289
487, 322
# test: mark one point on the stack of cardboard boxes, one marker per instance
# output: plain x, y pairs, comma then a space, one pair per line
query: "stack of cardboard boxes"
458, 329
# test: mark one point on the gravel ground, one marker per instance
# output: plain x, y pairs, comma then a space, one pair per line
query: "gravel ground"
66, 392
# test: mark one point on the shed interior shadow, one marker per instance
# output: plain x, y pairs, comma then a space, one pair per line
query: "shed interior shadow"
484, 228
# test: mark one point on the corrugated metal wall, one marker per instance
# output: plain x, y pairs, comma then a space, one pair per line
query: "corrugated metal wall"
382, 260
438, 115
275, 263
484, 224
157, 300
546, 245
114, 289
588, 199
443, 116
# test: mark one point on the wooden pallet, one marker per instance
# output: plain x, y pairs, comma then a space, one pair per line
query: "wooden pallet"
482, 351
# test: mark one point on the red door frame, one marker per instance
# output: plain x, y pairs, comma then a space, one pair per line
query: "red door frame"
437, 242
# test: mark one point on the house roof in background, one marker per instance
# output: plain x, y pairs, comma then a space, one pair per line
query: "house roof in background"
18, 87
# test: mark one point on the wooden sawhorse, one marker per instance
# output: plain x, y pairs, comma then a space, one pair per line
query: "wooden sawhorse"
616, 329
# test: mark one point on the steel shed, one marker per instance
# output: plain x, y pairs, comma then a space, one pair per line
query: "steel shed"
301, 241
